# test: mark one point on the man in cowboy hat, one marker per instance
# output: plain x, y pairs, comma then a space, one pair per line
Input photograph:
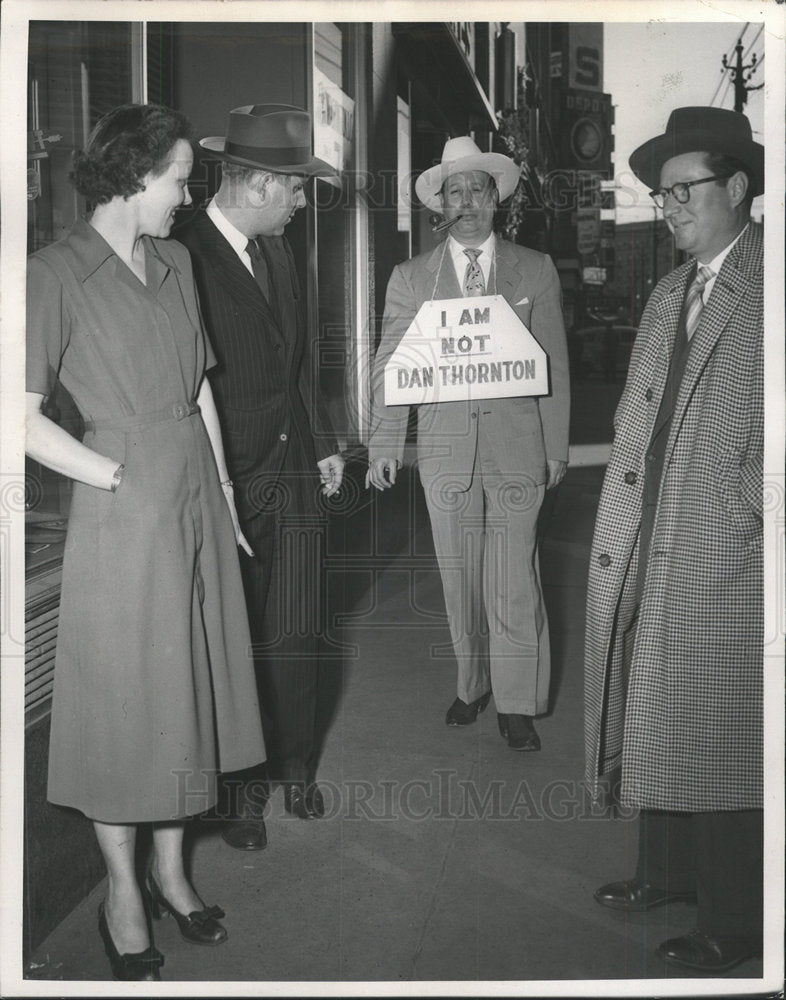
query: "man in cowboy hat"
675, 603
484, 464
278, 439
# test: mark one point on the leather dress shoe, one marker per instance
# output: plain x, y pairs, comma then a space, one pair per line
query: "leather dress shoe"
198, 927
139, 966
519, 731
698, 950
315, 802
245, 834
462, 714
305, 803
637, 896
243, 805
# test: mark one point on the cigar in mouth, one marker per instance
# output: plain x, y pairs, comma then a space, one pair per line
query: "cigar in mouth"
438, 227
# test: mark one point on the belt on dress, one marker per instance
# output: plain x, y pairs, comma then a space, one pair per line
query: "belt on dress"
175, 411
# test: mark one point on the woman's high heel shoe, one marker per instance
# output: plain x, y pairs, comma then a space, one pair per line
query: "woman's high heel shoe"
198, 927
140, 965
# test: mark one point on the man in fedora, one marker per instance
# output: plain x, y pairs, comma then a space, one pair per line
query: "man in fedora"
674, 633
484, 464
277, 435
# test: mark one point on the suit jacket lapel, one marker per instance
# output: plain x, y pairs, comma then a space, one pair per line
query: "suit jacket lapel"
441, 280
438, 280
662, 337
229, 267
283, 277
729, 288
506, 280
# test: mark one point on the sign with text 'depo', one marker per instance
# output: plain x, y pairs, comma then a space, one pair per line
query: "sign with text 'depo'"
464, 349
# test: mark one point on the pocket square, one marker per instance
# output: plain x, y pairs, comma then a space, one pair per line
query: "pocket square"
523, 302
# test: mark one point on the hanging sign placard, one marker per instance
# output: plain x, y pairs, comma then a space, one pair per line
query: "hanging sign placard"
334, 115
463, 349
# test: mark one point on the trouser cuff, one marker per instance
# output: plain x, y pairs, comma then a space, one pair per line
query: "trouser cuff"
666, 879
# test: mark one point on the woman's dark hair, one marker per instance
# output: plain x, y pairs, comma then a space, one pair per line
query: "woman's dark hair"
127, 144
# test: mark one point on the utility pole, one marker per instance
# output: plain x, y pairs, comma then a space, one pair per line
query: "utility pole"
739, 78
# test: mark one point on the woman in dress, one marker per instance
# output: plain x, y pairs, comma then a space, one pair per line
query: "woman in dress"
154, 685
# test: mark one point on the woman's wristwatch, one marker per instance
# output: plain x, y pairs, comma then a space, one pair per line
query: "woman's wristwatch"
117, 478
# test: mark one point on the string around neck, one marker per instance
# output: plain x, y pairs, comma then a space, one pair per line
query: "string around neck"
492, 282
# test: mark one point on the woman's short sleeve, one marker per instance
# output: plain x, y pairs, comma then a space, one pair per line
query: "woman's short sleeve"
48, 326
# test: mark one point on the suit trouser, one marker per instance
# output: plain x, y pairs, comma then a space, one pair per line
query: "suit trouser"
719, 855
485, 540
285, 597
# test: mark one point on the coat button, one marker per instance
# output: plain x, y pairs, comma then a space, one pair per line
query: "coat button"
277, 347
282, 437
605, 559
630, 478
474, 416
648, 395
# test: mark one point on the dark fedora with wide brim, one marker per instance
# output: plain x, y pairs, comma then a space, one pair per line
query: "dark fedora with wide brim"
700, 130
274, 137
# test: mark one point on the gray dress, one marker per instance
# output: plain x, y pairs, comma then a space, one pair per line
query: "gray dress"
154, 684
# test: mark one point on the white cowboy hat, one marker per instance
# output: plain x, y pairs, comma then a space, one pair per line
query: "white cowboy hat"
459, 155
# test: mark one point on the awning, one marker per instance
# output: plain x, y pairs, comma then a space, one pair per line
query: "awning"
436, 60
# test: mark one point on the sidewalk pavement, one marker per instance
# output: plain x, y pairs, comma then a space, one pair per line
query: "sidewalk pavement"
444, 856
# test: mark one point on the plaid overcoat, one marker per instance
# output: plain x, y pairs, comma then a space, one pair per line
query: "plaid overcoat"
686, 723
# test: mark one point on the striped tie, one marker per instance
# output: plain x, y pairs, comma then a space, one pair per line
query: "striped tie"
473, 276
693, 301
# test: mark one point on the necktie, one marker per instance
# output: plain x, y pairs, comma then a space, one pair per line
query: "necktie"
259, 266
693, 301
473, 276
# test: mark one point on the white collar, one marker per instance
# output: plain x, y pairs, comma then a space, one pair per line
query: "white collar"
717, 262
457, 250
234, 237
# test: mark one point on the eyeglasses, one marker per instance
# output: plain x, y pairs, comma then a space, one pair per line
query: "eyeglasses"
681, 190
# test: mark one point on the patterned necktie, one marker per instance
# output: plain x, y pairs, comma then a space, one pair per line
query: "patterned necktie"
473, 276
693, 301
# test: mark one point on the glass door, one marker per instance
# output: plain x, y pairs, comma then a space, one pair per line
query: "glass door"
76, 72
340, 227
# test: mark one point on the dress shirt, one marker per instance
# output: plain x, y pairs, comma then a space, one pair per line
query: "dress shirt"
715, 265
460, 259
234, 237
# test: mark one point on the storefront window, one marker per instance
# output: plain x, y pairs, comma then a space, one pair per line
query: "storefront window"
340, 228
76, 73
405, 184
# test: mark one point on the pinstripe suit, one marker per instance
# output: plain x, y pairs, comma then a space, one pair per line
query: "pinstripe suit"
274, 430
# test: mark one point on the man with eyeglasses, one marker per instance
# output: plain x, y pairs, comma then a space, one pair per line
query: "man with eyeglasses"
674, 633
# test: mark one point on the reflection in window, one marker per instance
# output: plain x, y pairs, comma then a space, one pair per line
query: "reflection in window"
77, 71
333, 201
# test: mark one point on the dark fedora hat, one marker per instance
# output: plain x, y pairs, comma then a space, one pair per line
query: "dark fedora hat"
273, 137
700, 130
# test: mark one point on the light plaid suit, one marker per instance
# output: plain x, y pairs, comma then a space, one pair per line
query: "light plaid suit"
483, 469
